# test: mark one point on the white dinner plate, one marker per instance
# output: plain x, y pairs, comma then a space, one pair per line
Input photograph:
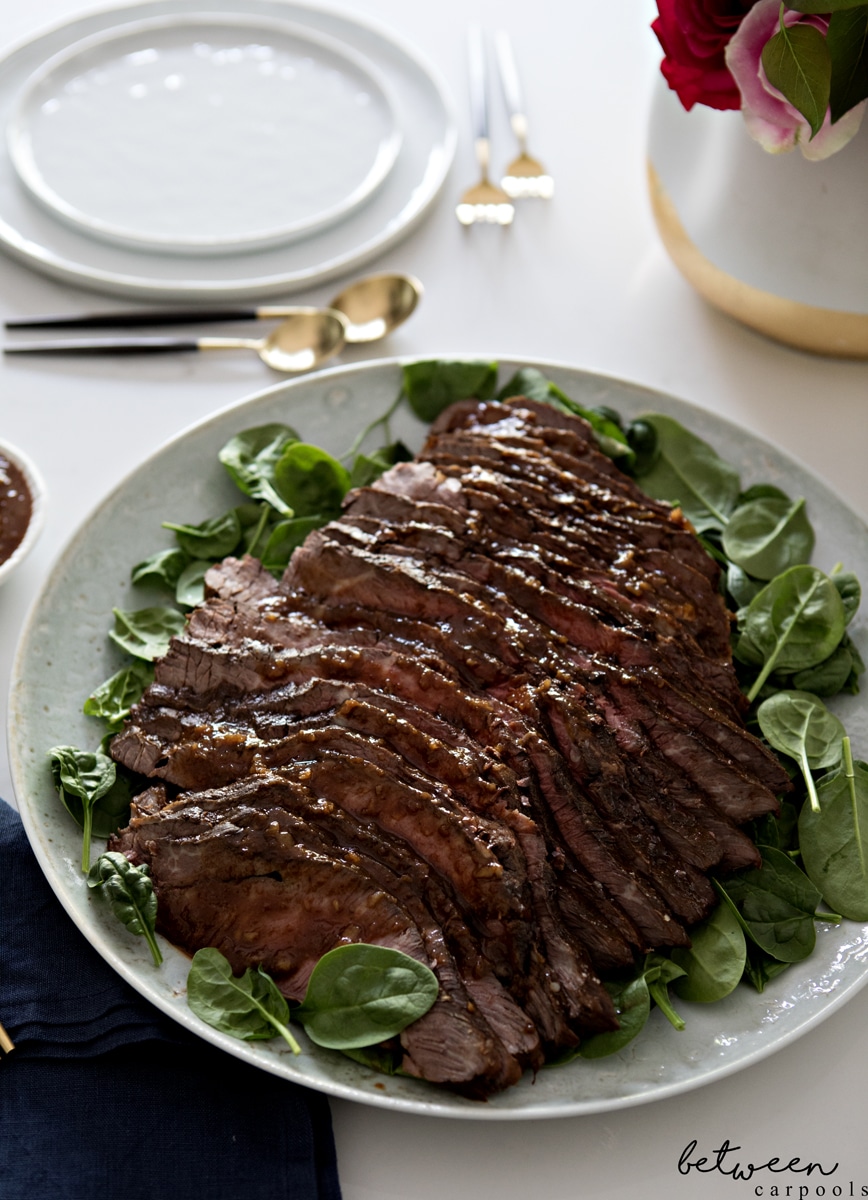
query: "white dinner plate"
204, 134
65, 652
34, 231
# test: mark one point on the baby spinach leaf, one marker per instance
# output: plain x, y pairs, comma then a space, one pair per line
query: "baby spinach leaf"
799, 724
162, 568
111, 701
130, 893
768, 535
692, 475
850, 591
257, 521
834, 840
367, 468
795, 622
311, 481
740, 586
530, 382
146, 633
248, 1007
432, 385
715, 961
761, 968
361, 994
633, 1007
386, 1059
659, 973
780, 832
851, 684
761, 491
608, 434
92, 792
283, 539
643, 441
190, 588
632, 1000
250, 458
214, 538
775, 904
829, 677
607, 414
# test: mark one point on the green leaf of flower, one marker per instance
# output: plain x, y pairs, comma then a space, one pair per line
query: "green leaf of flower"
820, 7
798, 63
847, 39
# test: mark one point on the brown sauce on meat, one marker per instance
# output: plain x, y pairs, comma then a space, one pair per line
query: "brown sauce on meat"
16, 507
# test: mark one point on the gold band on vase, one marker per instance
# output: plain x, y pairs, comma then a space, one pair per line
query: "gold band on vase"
819, 330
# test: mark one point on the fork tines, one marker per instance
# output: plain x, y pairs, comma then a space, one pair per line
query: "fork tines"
535, 186
485, 204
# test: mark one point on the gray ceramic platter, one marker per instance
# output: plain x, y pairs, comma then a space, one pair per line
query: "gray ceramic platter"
64, 653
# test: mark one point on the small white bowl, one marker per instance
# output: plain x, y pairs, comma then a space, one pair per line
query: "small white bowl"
36, 487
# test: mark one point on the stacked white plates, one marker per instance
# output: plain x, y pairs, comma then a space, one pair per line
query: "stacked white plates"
162, 151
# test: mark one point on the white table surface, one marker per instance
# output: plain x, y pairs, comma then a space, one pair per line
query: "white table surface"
583, 280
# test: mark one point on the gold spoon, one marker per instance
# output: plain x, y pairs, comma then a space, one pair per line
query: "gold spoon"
377, 304
373, 306
301, 342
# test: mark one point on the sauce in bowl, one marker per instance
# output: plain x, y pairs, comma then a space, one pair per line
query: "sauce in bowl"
16, 507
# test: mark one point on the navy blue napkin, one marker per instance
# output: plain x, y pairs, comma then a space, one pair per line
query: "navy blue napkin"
104, 1095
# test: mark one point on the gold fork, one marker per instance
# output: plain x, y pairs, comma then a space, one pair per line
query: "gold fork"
524, 176
483, 203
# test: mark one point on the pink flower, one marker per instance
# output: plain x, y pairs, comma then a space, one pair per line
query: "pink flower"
771, 119
694, 34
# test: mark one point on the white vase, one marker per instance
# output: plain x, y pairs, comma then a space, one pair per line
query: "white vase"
775, 241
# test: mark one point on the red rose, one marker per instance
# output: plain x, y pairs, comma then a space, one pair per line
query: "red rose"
694, 35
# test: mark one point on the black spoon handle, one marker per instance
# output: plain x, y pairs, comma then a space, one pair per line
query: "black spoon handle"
119, 345
137, 317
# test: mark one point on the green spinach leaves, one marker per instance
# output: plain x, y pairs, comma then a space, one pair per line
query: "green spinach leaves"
248, 1006
131, 895
93, 793
358, 995
834, 837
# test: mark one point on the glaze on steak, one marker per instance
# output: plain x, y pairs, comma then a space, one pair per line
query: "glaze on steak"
488, 717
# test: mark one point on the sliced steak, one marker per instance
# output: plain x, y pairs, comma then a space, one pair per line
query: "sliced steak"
488, 717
